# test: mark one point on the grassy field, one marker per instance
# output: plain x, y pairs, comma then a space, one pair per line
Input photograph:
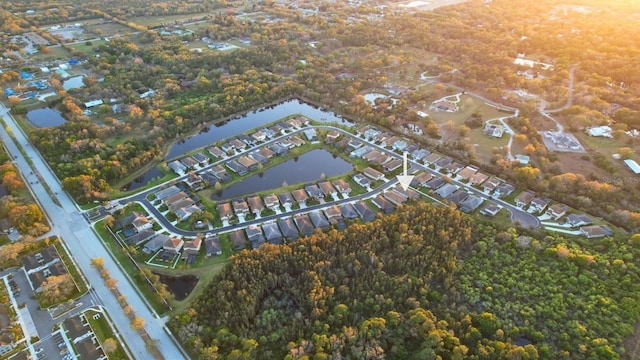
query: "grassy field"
56, 52
103, 331
107, 29
87, 48
165, 19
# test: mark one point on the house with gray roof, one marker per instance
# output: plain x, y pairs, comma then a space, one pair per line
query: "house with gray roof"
238, 239
271, 233
314, 191
286, 199
364, 211
304, 224
212, 245
319, 221
383, 204
288, 229
471, 203
445, 190
155, 243
348, 212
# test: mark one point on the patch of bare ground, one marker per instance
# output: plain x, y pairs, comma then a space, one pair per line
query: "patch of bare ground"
574, 163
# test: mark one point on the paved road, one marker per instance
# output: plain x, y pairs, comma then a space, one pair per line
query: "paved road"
74, 230
518, 215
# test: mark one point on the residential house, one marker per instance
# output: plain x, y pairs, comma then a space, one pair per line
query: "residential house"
342, 186
399, 145
491, 184
155, 243
238, 239
201, 158
381, 137
596, 231
319, 221
395, 198
259, 136
442, 162
407, 194
294, 123
524, 198
300, 196
388, 142
236, 167
491, 209
271, 202
258, 158
371, 155
286, 199
216, 152
420, 154
466, 173
44, 258
471, 203
431, 159
239, 145
364, 211
353, 144
225, 211
348, 211
247, 162
266, 152
177, 167
191, 249
194, 181
361, 152
271, 132
165, 193
272, 234
445, 190
478, 178
539, 204
183, 213
361, 180
247, 140
332, 136
220, 173
278, 149
140, 237
311, 135
288, 229
444, 105
228, 148
327, 189
255, 204
254, 232
453, 167
392, 165
240, 206
189, 162
334, 215
576, 220
383, 204
381, 159
458, 196
304, 224
141, 223
212, 245
435, 183
286, 143
173, 245
421, 179
169, 201
373, 173
314, 191
504, 189
557, 211
296, 141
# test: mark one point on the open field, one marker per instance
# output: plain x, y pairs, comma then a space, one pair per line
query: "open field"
87, 47
167, 19
56, 52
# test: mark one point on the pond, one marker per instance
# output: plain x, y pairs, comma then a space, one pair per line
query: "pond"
251, 120
143, 179
46, 117
240, 124
73, 83
179, 286
307, 167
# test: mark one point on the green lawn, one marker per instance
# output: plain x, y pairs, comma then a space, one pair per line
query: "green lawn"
103, 331
55, 52
165, 19
87, 48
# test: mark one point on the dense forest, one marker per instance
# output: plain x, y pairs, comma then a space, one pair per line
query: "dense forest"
422, 283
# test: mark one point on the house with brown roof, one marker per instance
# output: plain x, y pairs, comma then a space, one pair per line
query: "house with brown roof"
395, 198
240, 206
259, 136
194, 181
383, 204
478, 178
175, 198
491, 184
266, 152
467, 173
303, 222
392, 165
238, 239
381, 159
491, 209
255, 204
327, 189
271, 202
524, 198
217, 152
332, 136
189, 162
247, 162
173, 245
431, 158
596, 231
238, 144
453, 167
372, 173
342, 186
296, 141
371, 155
190, 250
300, 196
181, 204
224, 211
557, 211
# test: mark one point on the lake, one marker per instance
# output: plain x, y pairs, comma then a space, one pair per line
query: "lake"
237, 126
251, 120
46, 117
308, 167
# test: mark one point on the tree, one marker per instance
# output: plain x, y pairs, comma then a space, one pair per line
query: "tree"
137, 323
109, 345
625, 153
57, 288
97, 263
